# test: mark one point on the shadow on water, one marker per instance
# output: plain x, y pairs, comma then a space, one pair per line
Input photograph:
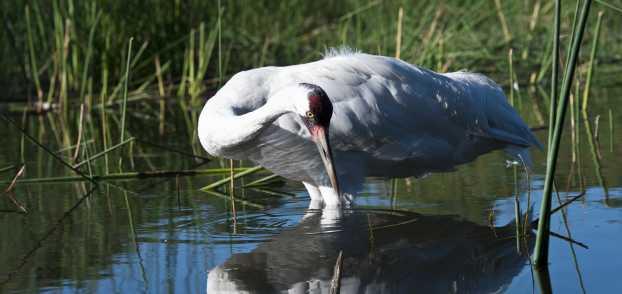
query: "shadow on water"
384, 251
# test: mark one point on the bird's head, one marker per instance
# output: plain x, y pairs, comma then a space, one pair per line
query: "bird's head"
316, 111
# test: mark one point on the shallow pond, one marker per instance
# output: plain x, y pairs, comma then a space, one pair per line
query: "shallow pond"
450, 232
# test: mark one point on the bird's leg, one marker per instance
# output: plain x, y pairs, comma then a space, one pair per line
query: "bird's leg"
330, 196
315, 195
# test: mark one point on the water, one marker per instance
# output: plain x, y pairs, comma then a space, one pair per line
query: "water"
448, 232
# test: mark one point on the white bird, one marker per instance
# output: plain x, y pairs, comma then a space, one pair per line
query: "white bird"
368, 115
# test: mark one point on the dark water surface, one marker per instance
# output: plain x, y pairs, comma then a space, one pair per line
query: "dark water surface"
447, 233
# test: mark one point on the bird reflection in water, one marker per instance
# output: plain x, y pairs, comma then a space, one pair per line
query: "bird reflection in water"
383, 252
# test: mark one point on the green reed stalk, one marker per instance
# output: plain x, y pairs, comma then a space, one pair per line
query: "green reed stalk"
272, 192
504, 25
174, 150
228, 179
130, 176
105, 152
510, 63
48, 151
575, 19
80, 132
263, 181
22, 141
554, 72
127, 77
191, 51
7, 168
610, 130
517, 219
89, 54
588, 81
64, 71
228, 197
574, 122
543, 280
121, 85
593, 151
220, 72
611, 6
181, 88
546, 61
33, 58
542, 239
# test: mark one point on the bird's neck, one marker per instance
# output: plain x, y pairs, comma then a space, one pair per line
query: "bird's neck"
221, 130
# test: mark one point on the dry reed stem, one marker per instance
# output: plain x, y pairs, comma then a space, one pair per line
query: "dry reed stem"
335, 282
9, 190
504, 25
398, 35
80, 126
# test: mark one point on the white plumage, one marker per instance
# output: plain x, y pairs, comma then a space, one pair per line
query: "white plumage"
389, 118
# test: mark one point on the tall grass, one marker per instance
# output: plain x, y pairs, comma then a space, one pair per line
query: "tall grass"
71, 50
542, 240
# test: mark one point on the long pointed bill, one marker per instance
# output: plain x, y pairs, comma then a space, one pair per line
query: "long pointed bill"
320, 136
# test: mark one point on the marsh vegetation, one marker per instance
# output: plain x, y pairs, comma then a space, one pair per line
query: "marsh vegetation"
100, 100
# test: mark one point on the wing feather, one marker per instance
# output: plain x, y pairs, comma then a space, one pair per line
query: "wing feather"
399, 118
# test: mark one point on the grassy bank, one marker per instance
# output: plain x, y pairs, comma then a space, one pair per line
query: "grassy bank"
73, 51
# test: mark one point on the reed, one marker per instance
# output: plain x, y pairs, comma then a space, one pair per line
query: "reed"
237, 175
128, 176
335, 282
103, 153
554, 72
46, 149
610, 130
133, 238
594, 153
543, 280
34, 69
9, 190
273, 192
7, 168
68, 53
609, 5
173, 150
570, 244
590, 71
263, 181
504, 25
241, 201
80, 130
398, 34
125, 82
542, 239
89, 57
511, 73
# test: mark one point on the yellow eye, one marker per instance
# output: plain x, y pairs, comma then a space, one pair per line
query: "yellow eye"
310, 114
